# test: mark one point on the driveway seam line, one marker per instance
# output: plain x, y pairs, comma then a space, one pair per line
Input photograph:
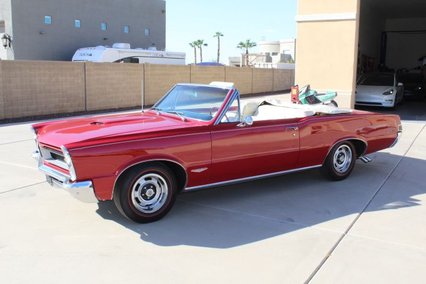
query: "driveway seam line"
17, 141
21, 187
318, 268
18, 166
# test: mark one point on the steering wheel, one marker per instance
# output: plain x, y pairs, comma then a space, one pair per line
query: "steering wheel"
227, 119
213, 111
304, 89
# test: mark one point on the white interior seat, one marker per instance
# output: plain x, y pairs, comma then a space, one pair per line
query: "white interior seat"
270, 112
250, 109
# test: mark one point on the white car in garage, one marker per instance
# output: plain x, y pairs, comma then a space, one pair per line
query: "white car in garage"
379, 89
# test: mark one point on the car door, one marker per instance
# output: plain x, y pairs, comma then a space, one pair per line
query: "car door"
240, 150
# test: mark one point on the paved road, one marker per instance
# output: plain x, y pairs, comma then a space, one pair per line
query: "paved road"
290, 229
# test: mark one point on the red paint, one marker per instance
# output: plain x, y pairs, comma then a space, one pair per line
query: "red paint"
103, 147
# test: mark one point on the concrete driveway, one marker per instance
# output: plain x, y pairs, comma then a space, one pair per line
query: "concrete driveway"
370, 228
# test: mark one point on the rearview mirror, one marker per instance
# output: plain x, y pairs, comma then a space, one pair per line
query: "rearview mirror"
248, 121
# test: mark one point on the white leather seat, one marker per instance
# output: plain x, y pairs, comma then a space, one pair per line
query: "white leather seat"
250, 109
270, 112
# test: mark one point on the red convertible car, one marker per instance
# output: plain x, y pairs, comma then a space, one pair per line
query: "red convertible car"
200, 136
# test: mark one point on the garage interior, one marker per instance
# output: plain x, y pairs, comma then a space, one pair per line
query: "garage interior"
392, 36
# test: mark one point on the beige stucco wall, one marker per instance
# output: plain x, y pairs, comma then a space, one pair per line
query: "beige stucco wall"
306, 7
39, 88
160, 78
241, 77
111, 85
327, 49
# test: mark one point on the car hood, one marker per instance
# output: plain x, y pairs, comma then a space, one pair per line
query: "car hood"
370, 92
74, 133
373, 89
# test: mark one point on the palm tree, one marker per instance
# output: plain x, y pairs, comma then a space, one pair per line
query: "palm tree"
194, 46
200, 43
218, 35
246, 45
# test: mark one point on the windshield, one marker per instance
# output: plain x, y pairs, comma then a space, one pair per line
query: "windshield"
383, 79
198, 102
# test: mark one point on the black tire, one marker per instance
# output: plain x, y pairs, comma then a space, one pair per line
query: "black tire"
340, 161
146, 193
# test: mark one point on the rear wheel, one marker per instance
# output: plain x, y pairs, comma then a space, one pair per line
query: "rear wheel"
340, 161
146, 193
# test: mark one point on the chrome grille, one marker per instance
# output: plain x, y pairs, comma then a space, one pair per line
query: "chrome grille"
53, 156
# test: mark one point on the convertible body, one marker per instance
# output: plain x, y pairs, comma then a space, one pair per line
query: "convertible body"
200, 136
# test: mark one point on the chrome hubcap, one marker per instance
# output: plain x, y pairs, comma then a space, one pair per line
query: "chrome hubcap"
342, 159
149, 193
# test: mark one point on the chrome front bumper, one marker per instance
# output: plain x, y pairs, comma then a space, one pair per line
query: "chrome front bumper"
82, 190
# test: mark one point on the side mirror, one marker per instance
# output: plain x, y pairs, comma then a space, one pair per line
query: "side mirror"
248, 121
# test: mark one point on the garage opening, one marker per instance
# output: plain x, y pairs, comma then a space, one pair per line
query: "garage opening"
392, 40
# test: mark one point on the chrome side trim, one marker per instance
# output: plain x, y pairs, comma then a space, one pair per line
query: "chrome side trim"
249, 178
200, 170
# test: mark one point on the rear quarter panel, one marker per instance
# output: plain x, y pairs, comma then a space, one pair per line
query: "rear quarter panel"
319, 134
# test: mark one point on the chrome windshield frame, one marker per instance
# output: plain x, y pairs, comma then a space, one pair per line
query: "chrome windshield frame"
234, 95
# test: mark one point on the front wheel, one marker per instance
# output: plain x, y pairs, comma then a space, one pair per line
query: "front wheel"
340, 161
146, 193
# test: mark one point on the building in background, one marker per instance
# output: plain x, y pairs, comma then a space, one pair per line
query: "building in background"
272, 54
55, 29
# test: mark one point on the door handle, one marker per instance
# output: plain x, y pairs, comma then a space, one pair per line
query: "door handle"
293, 128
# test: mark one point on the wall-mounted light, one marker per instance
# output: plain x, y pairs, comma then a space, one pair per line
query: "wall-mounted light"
6, 41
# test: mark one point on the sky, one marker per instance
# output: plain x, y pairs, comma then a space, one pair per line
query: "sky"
238, 20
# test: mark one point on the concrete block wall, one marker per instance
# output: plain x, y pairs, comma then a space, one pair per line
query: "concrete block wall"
32, 88
35, 88
207, 74
161, 78
263, 80
111, 85
283, 79
241, 77
1, 94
